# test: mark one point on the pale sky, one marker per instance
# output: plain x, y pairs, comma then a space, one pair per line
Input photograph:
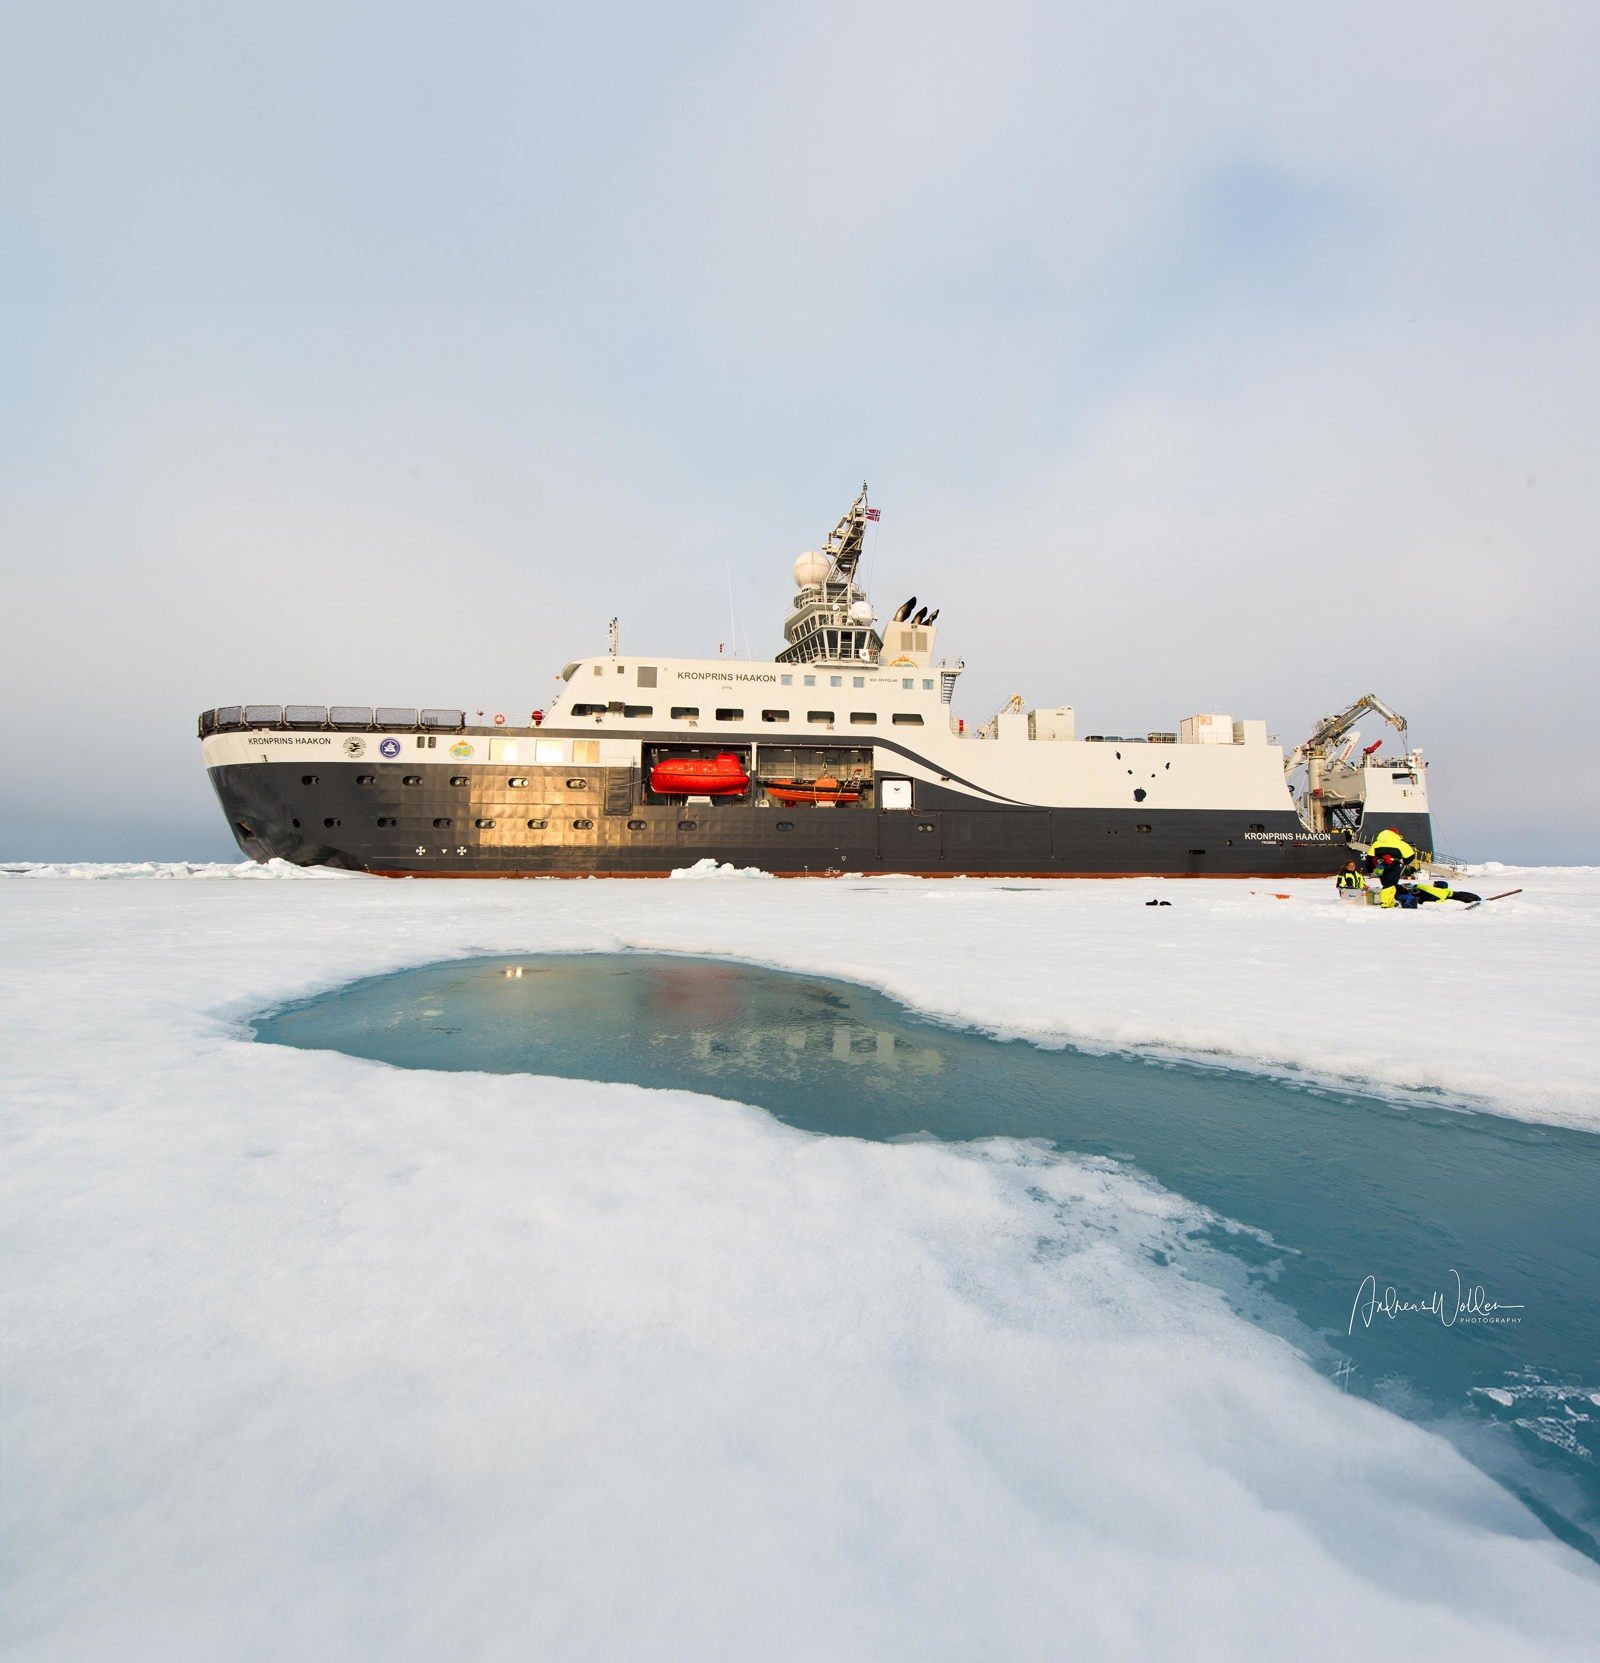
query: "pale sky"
1235, 357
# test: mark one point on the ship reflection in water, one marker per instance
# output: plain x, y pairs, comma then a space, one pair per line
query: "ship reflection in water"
1453, 1211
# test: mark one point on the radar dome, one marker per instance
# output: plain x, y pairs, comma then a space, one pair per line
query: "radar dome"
810, 569
861, 612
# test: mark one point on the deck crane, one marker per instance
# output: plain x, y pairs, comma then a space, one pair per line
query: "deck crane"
1314, 751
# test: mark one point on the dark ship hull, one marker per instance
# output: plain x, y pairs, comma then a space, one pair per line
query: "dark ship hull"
458, 818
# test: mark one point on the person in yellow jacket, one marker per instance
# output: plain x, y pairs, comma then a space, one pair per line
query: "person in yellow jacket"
1391, 858
1436, 889
1350, 877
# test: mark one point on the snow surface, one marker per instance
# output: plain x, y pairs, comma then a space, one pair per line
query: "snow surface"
309, 1357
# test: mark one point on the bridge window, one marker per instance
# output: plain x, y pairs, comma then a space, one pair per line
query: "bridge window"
836, 681
588, 710
730, 715
905, 719
774, 715
820, 716
685, 712
638, 710
863, 717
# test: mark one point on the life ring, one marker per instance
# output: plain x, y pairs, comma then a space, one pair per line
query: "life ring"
499, 720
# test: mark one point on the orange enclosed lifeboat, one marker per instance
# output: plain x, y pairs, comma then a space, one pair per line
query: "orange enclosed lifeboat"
722, 775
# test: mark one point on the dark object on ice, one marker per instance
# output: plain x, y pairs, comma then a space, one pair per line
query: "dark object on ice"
1158, 903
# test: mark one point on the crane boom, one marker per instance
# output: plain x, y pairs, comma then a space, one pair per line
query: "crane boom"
1331, 729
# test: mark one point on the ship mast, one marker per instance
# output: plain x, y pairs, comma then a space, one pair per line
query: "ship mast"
832, 621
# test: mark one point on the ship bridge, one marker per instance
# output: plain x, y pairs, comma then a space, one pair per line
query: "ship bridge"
831, 621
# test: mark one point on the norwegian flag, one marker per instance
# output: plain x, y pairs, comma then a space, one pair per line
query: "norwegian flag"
874, 513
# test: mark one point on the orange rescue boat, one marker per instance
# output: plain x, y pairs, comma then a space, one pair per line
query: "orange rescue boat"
825, 789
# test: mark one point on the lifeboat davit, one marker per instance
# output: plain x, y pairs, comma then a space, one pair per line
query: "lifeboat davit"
699, 776
826, 789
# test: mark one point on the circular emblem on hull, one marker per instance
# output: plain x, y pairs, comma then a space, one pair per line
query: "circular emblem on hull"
355, 747
461, 749
389, 747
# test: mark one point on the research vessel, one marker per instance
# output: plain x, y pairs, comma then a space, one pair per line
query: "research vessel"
841, 755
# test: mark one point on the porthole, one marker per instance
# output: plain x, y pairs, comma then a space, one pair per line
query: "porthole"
577, 785
366, 779
330, 824
537, 825
786, 825
309, 779
384, 820
1141, 828
411, 779
583, 825
459, 779
517, 781
483, 825
688, 825
1256, 825
638, 825
442, 822
926, 826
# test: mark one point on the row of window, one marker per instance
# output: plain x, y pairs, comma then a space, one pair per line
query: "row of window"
647, 677
691, 713
516, 780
